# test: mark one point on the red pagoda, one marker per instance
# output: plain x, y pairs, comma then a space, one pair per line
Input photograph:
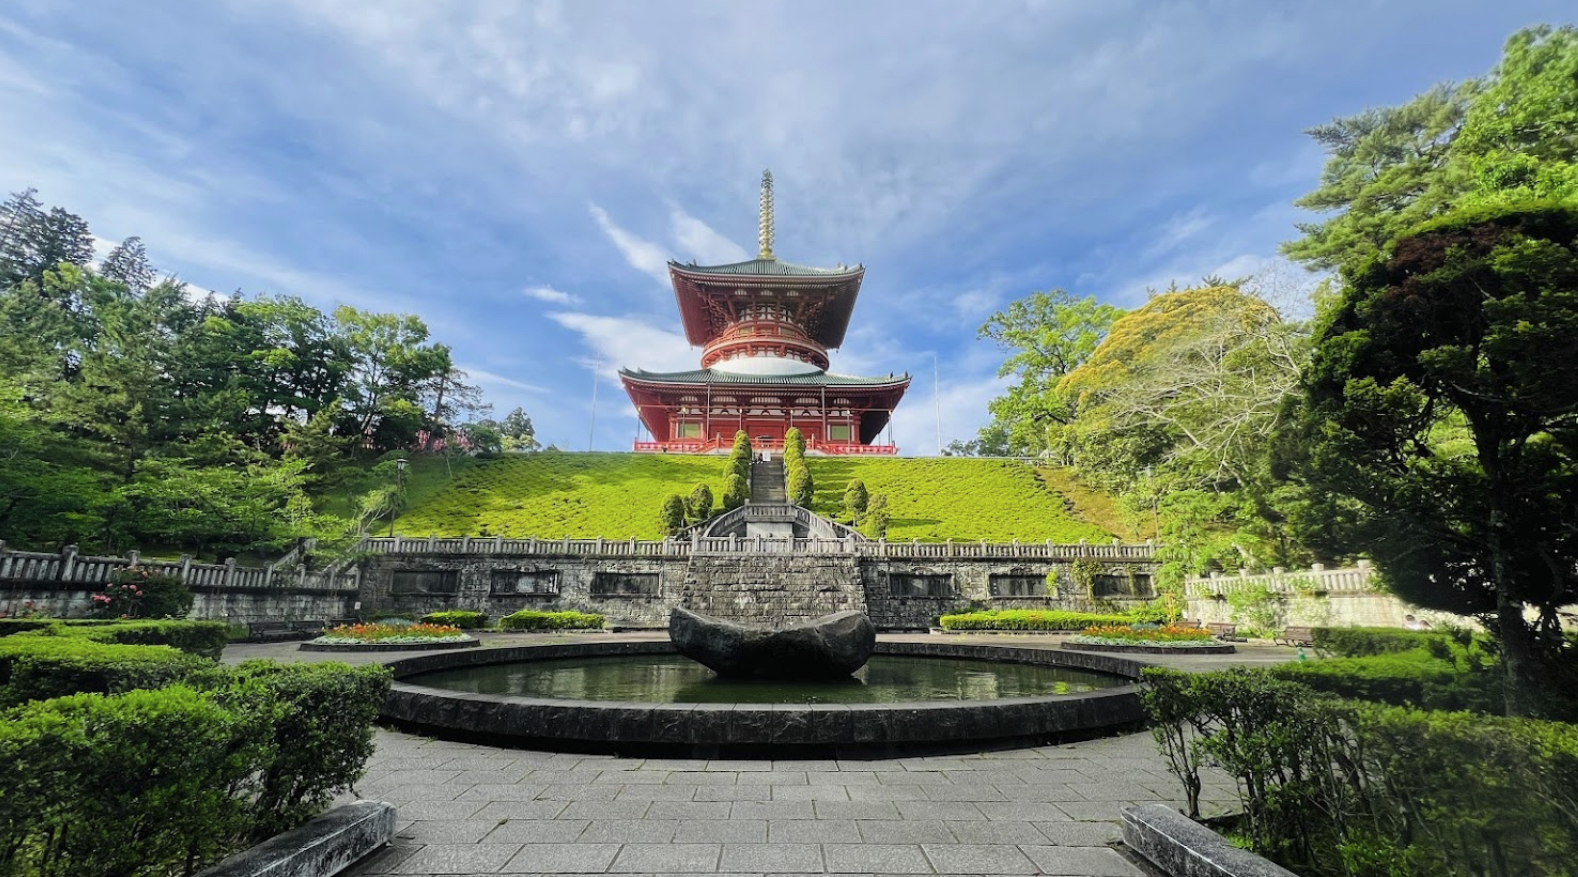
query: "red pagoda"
764, 327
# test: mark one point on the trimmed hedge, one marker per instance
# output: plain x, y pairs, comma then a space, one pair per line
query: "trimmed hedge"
530, 619
461, 618
9, 626
36, 667
1413, 678
165, 781
1359, 642
203, 638
322, 734
1334, 788
1029, 619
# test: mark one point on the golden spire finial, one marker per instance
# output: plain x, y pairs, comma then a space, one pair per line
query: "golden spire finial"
764, 231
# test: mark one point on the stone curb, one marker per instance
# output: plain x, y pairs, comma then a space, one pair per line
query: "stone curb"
1182, 847
553, 721
389, 647
324, 846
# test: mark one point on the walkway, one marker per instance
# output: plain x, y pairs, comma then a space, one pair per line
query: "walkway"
470, 809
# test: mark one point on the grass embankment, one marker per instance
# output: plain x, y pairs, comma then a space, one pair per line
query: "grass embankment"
616, 496
965, 499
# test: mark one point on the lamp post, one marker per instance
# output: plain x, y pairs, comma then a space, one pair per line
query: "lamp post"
394, 502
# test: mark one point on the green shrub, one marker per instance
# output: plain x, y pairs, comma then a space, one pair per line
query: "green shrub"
856, 498
1413, 678
205, 639
461, 618
35, 667
531, 619
1359, 642
1029, 619
141, 783
9, 626
672, 514
1330, 787
698, 507
735, 492
802, 489
321, 736
141, 593
162, 782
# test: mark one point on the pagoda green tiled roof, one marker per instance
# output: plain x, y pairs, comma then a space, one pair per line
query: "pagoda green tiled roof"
767, 268
716, 376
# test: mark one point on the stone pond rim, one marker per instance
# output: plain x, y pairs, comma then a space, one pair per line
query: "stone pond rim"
824, 648
759, 729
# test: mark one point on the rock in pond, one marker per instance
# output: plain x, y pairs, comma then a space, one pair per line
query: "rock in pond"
826, 648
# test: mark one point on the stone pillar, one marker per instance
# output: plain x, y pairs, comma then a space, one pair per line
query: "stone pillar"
186, 567
230, 571
68, 562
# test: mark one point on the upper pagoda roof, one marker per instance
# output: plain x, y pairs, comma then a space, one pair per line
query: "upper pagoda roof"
720, 377
766, 268
820, 299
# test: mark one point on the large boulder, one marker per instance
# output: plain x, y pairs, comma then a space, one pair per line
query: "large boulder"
826, 648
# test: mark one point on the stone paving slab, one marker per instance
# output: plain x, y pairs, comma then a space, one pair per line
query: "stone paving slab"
469, 809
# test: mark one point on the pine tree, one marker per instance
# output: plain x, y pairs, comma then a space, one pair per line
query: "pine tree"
700, 505
128, 264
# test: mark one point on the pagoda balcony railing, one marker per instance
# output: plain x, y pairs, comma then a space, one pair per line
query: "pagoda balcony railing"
682, 548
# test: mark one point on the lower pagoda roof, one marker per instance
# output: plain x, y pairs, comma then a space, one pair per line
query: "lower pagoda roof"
722, 378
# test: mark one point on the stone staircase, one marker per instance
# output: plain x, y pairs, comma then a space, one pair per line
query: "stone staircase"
772, 590
767, 482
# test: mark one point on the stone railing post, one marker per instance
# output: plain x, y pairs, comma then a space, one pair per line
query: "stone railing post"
68, 562
230, 571
186, 568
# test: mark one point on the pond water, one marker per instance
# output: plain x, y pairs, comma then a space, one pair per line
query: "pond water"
676, 679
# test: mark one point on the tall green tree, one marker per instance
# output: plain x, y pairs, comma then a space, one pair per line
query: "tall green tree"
1047, 335
1506, 136
391, 362
1443, 399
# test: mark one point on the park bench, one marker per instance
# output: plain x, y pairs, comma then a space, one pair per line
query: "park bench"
342, 622
271, 631
1296, 636
309, 629
1227, 633
1193, 623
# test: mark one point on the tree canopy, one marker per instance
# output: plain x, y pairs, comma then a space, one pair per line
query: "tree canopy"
134, 415
1443, 397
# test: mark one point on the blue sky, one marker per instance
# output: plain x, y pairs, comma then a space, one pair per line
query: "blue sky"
518, 173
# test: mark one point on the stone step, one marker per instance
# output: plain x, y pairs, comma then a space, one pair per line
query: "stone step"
767, 482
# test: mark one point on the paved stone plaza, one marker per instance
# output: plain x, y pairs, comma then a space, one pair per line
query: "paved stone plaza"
472, 809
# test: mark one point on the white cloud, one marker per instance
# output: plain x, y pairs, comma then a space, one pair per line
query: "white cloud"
699, 241
490, 379
1178, 230
642, 254
549, 294
629, 342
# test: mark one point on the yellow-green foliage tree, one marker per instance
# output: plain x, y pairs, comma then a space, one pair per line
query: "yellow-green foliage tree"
802, 488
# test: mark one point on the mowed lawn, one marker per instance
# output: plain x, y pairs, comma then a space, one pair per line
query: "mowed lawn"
552, 495
955, 498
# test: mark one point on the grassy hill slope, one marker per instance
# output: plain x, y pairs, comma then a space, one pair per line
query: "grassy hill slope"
616, 496
957, 498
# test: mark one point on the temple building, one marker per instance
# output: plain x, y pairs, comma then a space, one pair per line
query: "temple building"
764, 327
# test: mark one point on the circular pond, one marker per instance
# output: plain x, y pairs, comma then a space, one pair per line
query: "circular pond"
677, 679
642, 695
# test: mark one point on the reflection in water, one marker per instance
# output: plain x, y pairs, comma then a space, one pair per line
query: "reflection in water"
675, 679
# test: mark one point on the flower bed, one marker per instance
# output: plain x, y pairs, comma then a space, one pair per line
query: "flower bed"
391, 634
1146, 639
